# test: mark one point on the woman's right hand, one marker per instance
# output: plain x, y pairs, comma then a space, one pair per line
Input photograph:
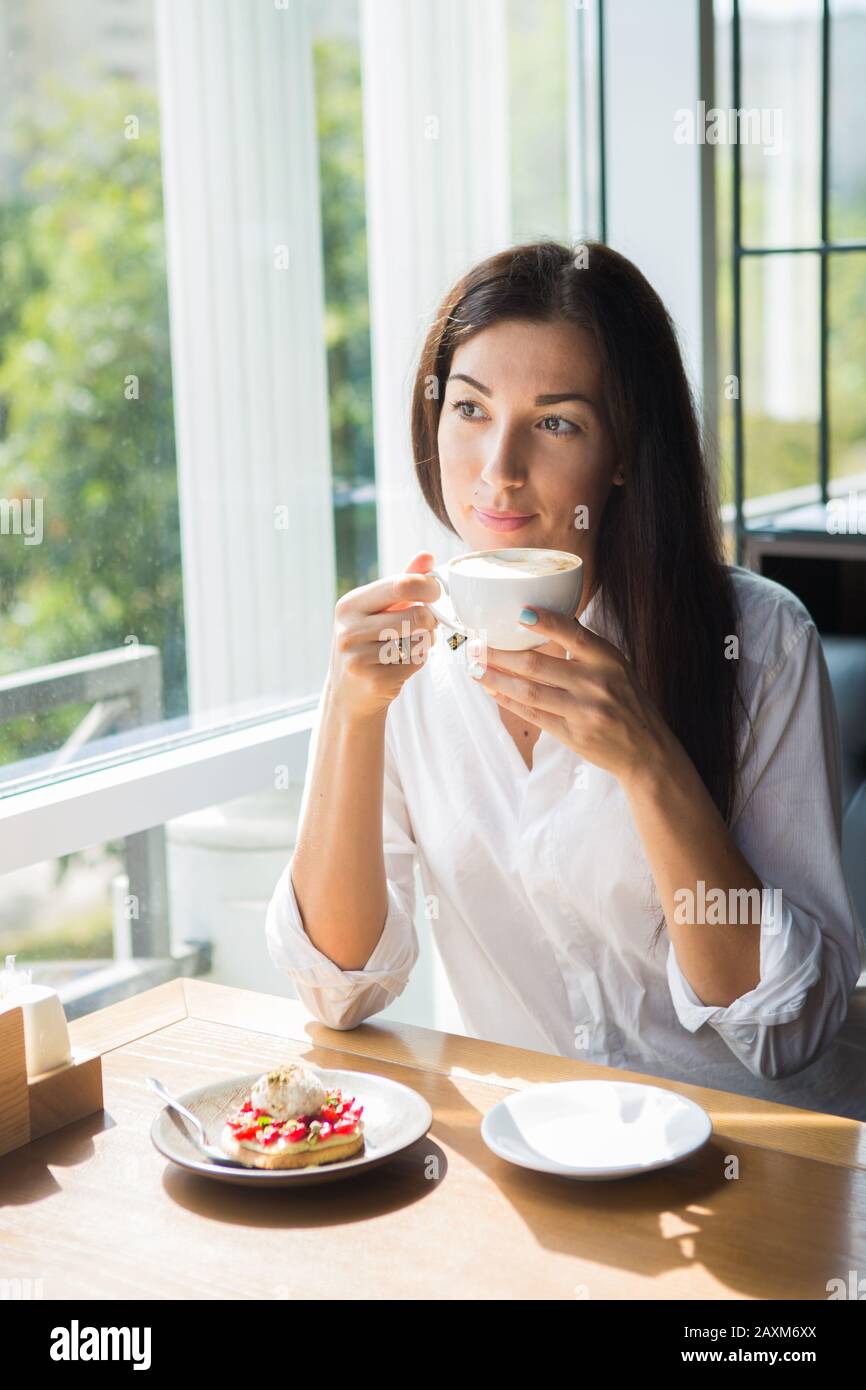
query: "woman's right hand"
365, 673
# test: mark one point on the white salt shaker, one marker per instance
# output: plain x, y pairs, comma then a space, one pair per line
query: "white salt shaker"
46, 1033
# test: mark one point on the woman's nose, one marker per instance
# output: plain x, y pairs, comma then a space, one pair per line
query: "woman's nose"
503, 463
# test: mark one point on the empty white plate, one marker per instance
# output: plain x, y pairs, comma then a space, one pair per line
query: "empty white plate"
595, 1129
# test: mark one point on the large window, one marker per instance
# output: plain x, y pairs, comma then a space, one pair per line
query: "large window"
91, 545
191, 450
89, 533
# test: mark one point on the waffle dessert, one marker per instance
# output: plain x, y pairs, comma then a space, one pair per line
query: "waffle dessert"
289, 1120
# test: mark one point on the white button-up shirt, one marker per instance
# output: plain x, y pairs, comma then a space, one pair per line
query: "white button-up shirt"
542, 903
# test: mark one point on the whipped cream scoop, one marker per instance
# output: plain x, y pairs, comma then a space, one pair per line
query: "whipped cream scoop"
288, 1091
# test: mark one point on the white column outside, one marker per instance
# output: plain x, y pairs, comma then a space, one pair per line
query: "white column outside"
243, 238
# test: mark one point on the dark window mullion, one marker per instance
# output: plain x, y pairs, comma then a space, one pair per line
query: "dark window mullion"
602, 143
824, 425
737, 268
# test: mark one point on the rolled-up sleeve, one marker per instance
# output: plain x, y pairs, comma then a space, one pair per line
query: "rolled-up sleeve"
344, 998
789, 831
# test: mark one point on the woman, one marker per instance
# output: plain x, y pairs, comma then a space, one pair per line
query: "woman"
656, 769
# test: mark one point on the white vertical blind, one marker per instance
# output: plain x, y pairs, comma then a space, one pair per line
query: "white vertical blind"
583, 115
245, 278
438, 199
659, 207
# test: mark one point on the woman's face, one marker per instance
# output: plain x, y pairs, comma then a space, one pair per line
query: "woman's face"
527, 434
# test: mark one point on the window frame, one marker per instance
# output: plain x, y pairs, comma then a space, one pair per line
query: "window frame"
128, 797
824, 248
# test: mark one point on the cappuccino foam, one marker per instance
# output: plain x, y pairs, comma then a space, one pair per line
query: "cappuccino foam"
498, 564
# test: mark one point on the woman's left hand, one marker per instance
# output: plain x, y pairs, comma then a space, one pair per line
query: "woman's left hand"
591, 699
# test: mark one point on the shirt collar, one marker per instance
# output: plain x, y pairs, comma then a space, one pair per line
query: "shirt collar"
601, 620
592, 612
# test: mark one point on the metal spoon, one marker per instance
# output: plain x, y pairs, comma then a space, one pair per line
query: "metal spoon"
208, 1149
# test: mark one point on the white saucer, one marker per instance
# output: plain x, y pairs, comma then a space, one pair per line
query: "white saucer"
595, 1129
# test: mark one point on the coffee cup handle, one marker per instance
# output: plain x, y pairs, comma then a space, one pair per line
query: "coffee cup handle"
450, 620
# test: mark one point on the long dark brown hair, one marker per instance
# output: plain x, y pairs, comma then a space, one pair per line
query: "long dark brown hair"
659, 557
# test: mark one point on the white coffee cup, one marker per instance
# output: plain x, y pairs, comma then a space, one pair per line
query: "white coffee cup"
488, 588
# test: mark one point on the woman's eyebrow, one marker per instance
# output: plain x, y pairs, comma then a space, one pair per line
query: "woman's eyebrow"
539, 400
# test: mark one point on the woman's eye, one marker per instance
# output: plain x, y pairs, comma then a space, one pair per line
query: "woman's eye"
457, 405
560, 419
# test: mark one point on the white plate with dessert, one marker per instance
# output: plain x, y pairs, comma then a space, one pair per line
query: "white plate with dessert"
295, 1123
595, 1130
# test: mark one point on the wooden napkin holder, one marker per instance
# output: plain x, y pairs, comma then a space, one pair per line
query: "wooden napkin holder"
34, 1106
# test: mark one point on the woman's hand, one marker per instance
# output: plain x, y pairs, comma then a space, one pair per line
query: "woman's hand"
376, 646
589, 698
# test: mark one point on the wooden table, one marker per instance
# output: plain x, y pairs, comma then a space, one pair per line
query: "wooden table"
94, 1211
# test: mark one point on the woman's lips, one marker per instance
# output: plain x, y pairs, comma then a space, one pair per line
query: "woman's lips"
495, 521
